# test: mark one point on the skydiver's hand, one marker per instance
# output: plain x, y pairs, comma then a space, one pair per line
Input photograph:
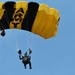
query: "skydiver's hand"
30, 51
19, 52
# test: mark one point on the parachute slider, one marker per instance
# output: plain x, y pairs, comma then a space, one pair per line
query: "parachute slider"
3, 33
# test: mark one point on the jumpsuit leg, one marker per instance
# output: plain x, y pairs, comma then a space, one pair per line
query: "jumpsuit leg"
25, 65
30, 65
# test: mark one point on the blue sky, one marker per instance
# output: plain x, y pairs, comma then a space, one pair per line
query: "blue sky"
55, 56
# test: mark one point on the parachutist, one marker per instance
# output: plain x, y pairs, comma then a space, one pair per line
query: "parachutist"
3, 33
26, 58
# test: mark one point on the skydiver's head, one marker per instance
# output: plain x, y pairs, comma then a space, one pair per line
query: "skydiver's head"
25, 54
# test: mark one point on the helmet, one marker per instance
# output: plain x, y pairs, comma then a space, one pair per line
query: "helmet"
25, 54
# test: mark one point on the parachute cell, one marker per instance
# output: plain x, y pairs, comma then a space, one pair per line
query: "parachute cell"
37, 18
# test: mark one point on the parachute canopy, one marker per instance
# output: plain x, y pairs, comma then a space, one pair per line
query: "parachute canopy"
37, 18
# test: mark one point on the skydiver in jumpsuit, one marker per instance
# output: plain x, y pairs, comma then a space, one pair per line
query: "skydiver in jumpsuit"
26, 58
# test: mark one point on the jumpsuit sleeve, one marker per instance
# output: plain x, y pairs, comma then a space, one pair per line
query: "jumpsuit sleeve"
20, 57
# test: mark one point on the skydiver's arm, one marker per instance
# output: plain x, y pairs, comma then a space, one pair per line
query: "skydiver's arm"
20, 57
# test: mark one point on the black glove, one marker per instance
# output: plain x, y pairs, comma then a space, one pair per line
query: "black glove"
30, 51
19, 52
